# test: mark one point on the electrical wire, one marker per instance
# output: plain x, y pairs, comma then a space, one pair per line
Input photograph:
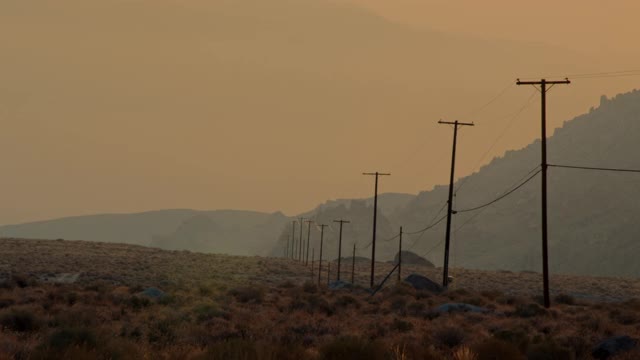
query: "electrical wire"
595, 168
510, 123
501, 196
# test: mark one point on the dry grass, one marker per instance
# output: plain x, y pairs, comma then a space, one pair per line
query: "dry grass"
224, 307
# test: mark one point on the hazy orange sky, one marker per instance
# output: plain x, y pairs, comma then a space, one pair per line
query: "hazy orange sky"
131, 105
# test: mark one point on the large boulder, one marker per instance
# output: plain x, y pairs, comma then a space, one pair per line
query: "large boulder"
613, 346
153, 293
420, 282
411, 258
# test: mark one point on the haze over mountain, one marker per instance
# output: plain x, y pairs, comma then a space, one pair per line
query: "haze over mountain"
122, 106
593, 216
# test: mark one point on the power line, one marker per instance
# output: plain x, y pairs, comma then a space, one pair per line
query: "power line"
501, 196
595, 168
422, 231
511, 121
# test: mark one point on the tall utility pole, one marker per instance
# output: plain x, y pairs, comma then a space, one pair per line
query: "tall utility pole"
286, 249
293, 239
445, 273
375, 216
353, 265
340, 244
545, 255
400, 256
322, 226
306, 262
300, 242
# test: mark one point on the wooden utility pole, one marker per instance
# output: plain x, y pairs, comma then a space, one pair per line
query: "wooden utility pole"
286, 249
313, 254
340, 244
375, 215
545, 255
328, 272
445, 273
293, 239
300, 241
308, 240
322, 226
400, 256
353, 265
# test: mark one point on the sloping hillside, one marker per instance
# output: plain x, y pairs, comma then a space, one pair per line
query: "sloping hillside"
222, 231
594, 217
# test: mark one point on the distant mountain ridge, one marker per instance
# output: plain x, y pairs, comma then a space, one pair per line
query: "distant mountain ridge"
594, 217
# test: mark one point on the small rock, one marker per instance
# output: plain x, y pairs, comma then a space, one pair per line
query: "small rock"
336, 285
613, 346
460, 307
420, 282
153, 293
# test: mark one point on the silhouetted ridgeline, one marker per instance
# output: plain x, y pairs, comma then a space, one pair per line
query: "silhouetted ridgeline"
594, 217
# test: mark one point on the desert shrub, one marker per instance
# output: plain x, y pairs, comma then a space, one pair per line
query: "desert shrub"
204, 290
5, 303
416, 308
457, 294
351, 348
347, 300
517, 337
549, 350
248, 350
207, 312
510, 300
401, 289
492, 294
288, 284
248, 294
138, 303
474, 300
496, 349
309, 287
401, 325
464, 353
565, 299
20, 321
623, 317
318, 303
67, 337
449, 337
529, 310
399, 305
162, 332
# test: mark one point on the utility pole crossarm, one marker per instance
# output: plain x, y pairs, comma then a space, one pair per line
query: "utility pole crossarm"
455, 123
565, 81
377, 173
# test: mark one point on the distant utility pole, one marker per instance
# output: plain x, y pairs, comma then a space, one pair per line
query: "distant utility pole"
456, 124
545, 259
293, 239
400, 256
375, 216
322, 226
313, 254
353, 265
308, 240
340, 244
300, 242
286, 249
328, 272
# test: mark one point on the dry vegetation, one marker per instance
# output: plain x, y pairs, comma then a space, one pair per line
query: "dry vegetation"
84, 300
